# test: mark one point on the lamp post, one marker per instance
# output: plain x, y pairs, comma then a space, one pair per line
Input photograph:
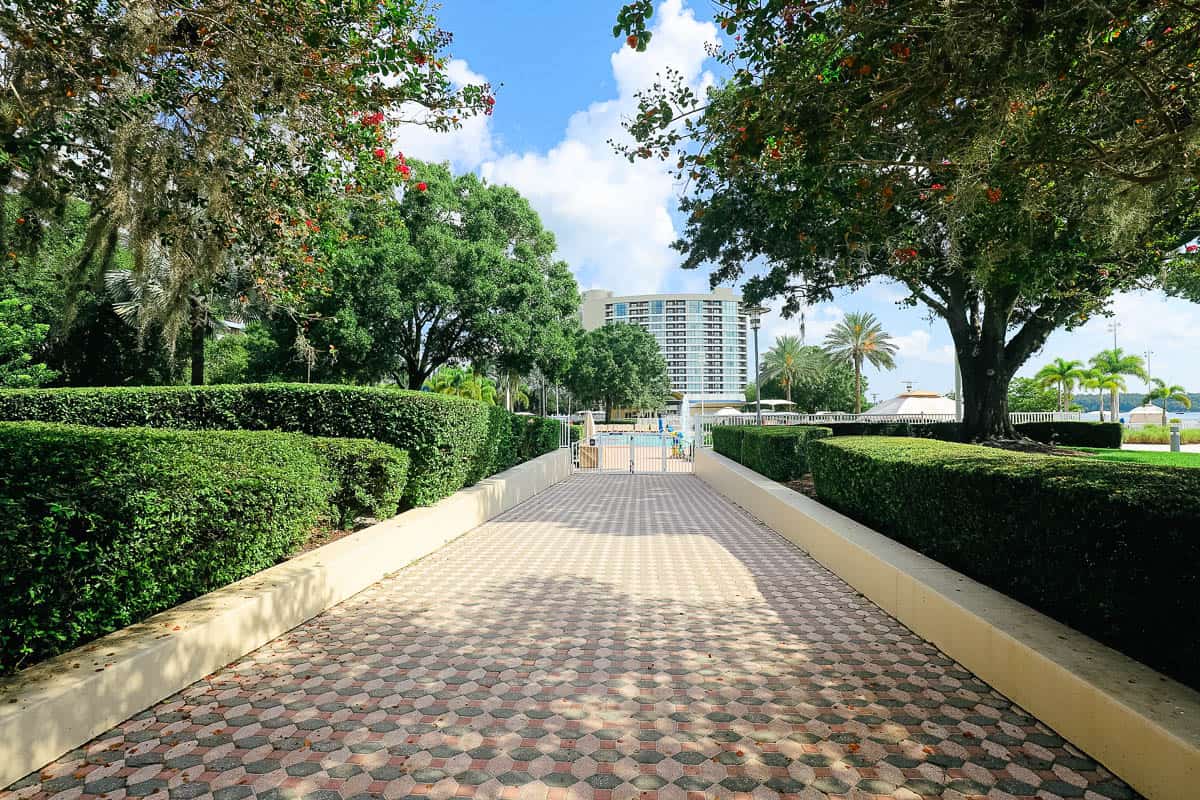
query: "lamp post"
756, 313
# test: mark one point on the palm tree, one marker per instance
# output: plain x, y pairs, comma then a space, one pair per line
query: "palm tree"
1063, 374
459, 382
1090, 379
1162, 391
1113, 383
788, 361
1116, 362
859, 337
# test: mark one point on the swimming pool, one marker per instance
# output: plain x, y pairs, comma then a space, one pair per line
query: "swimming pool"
639, 439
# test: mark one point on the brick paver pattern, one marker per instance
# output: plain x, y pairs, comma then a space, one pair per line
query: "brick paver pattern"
617, 636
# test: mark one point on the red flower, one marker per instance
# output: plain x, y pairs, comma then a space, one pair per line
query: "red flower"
937, 187
381, 154
404, 170
422, 186
312, 226
373, 119
632, 41
1192, 248
993, 195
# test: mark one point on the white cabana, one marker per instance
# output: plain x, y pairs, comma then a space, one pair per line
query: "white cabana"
1145, 414
729, 412
772, 403
914, 403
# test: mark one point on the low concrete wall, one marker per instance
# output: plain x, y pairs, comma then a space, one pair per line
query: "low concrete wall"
1141, 725
66, 701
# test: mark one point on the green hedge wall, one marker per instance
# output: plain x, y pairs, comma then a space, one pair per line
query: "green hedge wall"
100, 528
370, 476
943, 431
727, 440
779, 452
776, 451
1074, 434
1109, 549
450, 440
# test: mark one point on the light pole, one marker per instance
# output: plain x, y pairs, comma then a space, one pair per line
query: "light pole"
756, 313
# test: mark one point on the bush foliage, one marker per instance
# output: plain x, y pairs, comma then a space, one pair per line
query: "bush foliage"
1108, 548
370, 477
451, 441
775, 451
102, 528
1073, 434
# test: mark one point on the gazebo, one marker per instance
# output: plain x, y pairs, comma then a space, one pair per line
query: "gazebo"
1146, 414
914, 403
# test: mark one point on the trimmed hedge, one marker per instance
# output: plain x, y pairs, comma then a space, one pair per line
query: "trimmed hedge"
370, 477
727, 440
1109, 549
775, 451
1074, 434
100, 529
449, 439
779, 452
942, 431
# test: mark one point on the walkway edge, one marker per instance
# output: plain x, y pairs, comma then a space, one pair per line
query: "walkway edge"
1139, 724
64, 702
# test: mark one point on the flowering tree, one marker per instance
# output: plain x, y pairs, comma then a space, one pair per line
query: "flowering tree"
1011, 168
207, 135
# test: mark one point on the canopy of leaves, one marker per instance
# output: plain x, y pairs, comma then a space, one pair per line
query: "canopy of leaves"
208, 134
1030, 394
1011, 166
619, 365
462, 272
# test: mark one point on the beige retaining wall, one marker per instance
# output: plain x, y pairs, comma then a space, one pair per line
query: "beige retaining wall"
64, 702
1141, 725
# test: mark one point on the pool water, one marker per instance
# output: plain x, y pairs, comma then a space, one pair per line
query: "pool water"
639, 439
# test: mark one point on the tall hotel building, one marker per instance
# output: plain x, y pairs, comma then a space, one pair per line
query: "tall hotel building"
702, 337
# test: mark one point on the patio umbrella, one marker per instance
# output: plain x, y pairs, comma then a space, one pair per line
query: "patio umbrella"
589, 425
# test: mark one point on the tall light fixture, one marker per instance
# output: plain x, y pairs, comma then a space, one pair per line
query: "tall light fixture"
756, 314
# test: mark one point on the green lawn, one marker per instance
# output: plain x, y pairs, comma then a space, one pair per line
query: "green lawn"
1159, 459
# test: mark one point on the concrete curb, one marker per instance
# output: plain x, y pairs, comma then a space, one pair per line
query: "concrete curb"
64, 702
1139, 724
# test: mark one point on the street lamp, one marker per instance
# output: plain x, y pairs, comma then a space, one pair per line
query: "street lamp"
756, 314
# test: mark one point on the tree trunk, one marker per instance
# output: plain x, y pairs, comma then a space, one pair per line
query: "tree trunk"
985, 400
857, 386
199, 332
1116, 406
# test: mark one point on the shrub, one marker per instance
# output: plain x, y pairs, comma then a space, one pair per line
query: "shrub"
942, 431
370, 477
1108, 548
1159, 434
1073, 434
779, 452
448, 439
727, 440
100, 529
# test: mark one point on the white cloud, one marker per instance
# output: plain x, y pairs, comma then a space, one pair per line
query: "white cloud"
465, 147
612, 219
915, 346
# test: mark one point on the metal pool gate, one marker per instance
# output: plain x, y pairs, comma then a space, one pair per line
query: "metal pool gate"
640, 453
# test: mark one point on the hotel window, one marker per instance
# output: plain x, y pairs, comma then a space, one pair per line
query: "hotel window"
621, 309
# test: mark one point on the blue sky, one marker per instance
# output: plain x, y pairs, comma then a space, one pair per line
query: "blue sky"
563, 86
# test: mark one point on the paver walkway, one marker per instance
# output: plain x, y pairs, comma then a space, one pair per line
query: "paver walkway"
615, 637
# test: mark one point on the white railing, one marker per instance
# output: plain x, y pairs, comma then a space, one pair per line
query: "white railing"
1018, 417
